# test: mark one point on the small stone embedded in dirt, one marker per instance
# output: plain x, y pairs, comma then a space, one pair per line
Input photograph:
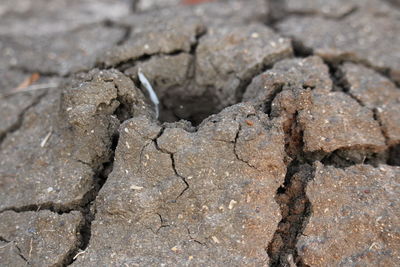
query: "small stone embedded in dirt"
206, 197
357, 206
38, 238
358, 37
378, 93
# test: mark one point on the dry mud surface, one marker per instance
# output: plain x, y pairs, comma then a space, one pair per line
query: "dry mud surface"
277, 144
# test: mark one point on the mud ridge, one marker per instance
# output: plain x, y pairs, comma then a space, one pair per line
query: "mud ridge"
340, 84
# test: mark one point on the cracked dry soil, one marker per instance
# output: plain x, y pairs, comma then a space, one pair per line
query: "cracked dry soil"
278, 142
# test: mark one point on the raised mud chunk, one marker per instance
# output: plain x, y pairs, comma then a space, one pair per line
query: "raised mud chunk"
337, 121
227, 58
180, 197
355, 217
50, 159
310, 72
375, 92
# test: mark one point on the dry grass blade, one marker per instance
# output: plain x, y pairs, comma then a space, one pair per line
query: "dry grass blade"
30, 88
28, 81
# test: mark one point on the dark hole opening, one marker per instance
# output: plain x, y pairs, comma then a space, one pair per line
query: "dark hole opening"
181, 96
191, 108
394, 156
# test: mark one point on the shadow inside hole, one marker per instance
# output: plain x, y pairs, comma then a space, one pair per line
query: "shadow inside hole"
394, 156
182, 99
191, 108
122, 112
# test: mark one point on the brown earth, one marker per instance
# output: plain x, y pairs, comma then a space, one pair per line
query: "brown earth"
277, 144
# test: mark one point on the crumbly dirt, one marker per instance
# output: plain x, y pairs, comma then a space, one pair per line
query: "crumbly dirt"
346, 210
277, 141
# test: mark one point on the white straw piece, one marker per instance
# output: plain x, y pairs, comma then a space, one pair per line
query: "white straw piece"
45, 139
33, 87
149, 88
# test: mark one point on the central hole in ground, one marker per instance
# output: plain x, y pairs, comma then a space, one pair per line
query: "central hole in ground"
179, 95
191, 108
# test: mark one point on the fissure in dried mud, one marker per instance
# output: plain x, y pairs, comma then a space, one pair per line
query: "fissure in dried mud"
236, 85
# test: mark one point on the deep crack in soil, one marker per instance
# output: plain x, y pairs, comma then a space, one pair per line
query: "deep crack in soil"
295, 210
294, 204
292, 199
88, 210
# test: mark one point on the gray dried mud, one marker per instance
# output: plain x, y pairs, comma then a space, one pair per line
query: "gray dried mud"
277, 142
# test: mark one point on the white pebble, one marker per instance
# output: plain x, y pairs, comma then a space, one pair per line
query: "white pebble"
231, 204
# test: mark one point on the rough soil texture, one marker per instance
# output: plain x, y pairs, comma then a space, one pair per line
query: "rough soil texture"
346, 210
277, 144
34, 237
